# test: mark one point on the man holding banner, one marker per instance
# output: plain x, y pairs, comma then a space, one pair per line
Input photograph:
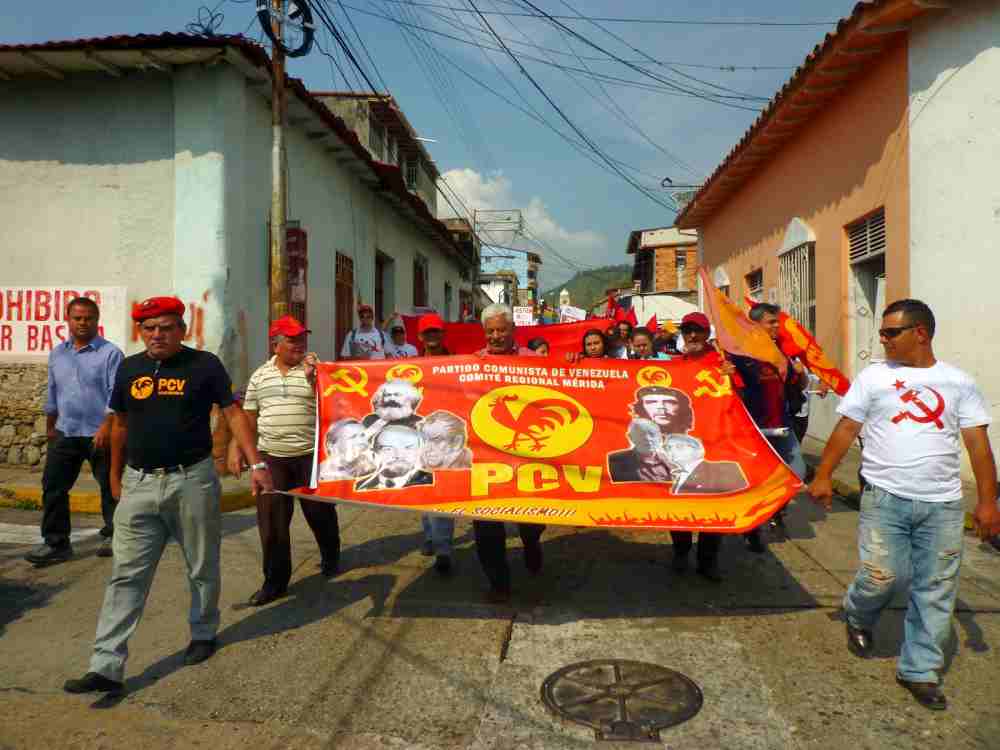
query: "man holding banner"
491, 536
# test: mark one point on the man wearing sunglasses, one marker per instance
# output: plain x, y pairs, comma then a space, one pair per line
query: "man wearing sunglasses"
911, 409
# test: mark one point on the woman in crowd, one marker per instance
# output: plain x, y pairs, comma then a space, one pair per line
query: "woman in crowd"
593, 345
539, 345
642, 345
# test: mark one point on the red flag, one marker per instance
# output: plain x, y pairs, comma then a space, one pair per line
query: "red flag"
735, 332
796, 341
619, 315
630, 317
610, 309
652, 324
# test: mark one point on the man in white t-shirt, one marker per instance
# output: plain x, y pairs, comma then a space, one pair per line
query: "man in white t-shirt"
911, 410
366, 341
398, 347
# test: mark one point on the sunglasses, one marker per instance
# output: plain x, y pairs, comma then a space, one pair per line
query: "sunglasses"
891, 333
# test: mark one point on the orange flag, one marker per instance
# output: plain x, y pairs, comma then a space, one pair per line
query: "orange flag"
796, 341
736, 333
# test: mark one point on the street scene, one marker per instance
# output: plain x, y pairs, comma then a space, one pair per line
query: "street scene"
499, 375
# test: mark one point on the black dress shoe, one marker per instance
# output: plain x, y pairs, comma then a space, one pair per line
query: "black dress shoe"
442, 564
198, 651
710, 572
533, 557
927, 694
92, 683
755, 543
265, 596
46, 554
860, 642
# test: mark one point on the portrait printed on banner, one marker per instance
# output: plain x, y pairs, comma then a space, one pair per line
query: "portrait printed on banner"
693, 475
397, 449
395, 402
348, 451
658, 412
445, 438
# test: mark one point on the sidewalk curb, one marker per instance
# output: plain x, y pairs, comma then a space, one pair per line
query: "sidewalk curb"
14, 496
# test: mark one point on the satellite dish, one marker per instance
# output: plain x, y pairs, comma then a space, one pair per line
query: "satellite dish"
296, 26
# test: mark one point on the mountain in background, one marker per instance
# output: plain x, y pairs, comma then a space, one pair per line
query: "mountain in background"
588, 287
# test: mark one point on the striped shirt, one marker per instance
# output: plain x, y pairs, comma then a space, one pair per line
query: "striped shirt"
286, 410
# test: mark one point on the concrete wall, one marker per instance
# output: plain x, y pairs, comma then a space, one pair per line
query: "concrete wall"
87, 182
954, 70
850, 159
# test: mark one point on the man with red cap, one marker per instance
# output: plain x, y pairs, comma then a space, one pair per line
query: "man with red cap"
280, 405
366, 341
162, 469
439, 531
696, 330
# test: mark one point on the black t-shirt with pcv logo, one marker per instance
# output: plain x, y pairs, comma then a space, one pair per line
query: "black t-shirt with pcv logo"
168, 404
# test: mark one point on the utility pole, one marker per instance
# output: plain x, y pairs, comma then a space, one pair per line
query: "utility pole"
279, 181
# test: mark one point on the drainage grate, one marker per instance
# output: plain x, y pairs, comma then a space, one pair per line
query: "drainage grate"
622, 700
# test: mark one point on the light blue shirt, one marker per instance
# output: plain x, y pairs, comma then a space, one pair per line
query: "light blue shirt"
80, 384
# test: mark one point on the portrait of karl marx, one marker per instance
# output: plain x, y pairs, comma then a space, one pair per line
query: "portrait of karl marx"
395, 402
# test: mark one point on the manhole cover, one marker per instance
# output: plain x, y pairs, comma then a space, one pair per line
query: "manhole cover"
622, 700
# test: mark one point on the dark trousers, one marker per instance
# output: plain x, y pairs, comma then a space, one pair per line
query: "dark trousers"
63, 462
491, 548
799, 427
708, 546
274, 519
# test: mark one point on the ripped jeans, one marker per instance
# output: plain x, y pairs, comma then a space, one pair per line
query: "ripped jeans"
909, 542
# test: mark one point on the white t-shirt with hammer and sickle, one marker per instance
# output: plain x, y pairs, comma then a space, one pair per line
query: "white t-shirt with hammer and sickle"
913, 418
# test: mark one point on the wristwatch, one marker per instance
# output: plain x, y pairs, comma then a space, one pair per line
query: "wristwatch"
259, 467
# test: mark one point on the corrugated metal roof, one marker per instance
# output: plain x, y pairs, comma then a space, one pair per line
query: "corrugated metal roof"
843, 56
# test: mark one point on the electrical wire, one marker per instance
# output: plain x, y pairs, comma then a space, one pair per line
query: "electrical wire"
364, 47
325, 19
614, 19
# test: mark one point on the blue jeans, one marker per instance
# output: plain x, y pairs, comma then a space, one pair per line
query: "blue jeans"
909, 542
787, 446
439, 531
184, 506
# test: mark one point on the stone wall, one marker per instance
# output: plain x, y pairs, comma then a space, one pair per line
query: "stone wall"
22, 423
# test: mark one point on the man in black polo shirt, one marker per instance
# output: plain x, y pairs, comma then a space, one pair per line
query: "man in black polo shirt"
161, 402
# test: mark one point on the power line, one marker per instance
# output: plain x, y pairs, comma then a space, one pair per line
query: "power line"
614, 19
364, 47
324, 16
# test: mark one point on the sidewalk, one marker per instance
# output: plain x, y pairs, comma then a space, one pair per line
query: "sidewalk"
22, 488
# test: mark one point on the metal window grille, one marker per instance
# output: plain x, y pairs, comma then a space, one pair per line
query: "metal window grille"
447, 301
797, 284
420, 281
392, 150
755, 285
867, 237
411, 173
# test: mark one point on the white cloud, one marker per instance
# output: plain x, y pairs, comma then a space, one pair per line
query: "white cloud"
580, 248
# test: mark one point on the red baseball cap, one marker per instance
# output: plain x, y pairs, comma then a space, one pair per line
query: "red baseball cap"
154, 307
696, 319
429, 322
286, 326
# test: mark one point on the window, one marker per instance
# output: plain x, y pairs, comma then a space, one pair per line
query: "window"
391, 150
755, 285
420, 281
867, 237
412, 166
383, 286
680, 263
797, 284
344, 299
642, 271
447, 301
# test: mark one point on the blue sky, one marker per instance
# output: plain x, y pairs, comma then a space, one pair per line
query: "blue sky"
495, 156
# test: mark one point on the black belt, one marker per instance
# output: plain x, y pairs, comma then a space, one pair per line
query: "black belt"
164, 470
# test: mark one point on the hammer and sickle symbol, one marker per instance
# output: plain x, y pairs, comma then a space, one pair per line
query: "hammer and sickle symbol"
340, 380
927, 415
715, 389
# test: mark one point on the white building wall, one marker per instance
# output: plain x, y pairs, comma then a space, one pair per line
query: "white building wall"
87, 183
954, 70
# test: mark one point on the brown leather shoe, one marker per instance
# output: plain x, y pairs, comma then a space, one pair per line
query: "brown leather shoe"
928, 694
860, 642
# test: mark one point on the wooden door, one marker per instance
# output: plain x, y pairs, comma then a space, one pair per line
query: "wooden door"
343, 300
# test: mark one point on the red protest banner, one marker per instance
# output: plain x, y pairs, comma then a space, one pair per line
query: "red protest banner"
466, 338
644, 444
